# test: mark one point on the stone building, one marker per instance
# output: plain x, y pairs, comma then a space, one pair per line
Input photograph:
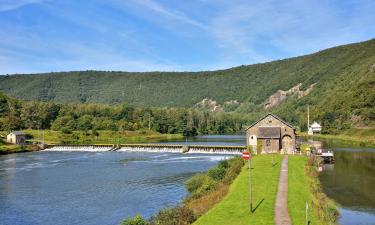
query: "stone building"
16, 137
270, 134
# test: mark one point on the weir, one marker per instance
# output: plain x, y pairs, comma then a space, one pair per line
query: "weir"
206, 149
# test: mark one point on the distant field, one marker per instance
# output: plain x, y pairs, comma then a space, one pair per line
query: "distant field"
234, 208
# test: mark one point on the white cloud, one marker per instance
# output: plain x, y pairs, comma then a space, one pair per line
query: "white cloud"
7, 5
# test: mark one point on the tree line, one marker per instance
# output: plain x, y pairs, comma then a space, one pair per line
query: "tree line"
16, 114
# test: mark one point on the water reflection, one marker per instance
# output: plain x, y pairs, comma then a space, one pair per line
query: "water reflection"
351, 181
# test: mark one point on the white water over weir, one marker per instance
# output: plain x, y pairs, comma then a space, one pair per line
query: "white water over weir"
232, 150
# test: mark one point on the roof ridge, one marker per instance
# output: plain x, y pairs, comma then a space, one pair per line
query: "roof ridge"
289, 125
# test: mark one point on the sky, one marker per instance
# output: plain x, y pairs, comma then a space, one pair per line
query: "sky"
150, 35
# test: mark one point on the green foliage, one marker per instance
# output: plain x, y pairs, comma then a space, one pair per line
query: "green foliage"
136, 220
195, 182
86, 117
179, 215
216, 173
225, 171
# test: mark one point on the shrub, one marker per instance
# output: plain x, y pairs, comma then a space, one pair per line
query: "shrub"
136, 220
179, 215
195, 182
217, 173
66, 130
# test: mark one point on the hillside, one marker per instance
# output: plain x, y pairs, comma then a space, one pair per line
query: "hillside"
337, 83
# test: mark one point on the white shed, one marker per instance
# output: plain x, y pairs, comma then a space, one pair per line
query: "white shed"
16, 137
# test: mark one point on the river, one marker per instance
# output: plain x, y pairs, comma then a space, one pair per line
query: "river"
103, 188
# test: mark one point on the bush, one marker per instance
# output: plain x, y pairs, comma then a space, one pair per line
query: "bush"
66, 130
195, 182
136, 220
217, 173
179, 215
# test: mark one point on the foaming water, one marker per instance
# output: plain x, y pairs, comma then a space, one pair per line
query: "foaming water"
93, 187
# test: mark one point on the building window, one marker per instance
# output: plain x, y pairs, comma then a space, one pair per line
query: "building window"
268, 142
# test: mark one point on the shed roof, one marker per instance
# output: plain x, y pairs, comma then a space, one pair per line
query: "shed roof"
17, 133
270, 114
269, 132
316, 125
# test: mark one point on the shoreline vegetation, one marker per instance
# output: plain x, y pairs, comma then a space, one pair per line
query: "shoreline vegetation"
304, 187
206, 189
357, 137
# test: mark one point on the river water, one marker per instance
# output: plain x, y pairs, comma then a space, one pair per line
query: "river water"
103, 188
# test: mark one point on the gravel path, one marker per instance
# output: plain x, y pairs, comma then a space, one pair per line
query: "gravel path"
281, 205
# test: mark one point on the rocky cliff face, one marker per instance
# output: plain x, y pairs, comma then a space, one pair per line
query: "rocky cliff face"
210, 105
281, 95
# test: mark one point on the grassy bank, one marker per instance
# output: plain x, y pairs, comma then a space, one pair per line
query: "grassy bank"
304, 186
364, 137
206, 189
6, 148
98, 137
299, 193
234, 208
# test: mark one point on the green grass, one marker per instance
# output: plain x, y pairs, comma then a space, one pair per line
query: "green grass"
298, 191
105, 137
234, 208
6, 148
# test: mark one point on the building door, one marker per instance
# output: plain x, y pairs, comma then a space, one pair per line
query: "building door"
268, 146
287, 143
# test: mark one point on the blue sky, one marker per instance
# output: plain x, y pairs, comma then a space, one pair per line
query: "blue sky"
148, 35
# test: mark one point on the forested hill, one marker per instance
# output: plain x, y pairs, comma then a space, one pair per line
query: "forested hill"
338, 81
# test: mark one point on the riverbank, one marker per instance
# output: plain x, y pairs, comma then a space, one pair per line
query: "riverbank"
97, 137
356, 137
303, 187
6, 148
206, 189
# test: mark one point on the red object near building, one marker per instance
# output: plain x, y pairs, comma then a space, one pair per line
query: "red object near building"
245, 155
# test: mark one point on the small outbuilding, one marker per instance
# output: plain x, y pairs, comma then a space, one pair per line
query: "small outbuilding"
16, 137
271, 134
315, 128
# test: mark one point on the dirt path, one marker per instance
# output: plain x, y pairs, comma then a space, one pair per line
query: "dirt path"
281, 205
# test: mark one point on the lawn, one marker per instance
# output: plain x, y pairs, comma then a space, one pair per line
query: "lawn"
298, 191
234, 208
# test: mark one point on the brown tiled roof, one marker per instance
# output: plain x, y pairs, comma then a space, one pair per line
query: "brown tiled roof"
269, 132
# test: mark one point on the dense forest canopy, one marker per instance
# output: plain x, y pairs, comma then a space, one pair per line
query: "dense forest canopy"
342, 95
16, 115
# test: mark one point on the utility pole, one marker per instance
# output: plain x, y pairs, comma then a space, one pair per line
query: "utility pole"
149, 121
308, 117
